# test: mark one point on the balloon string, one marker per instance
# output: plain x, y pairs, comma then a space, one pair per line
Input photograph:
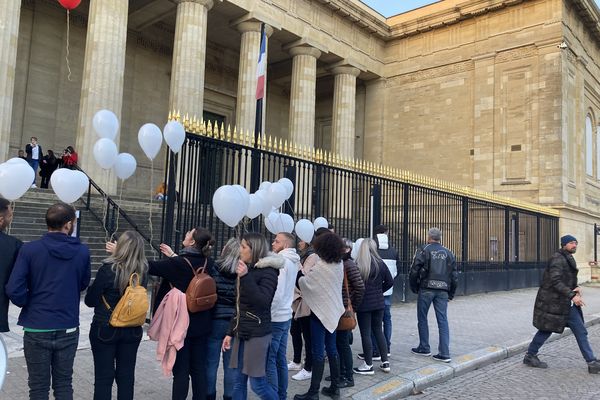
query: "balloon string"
105, 211
118, 206
13, 207
151, 205
67, 56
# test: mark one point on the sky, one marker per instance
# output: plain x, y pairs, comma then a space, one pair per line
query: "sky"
392, 7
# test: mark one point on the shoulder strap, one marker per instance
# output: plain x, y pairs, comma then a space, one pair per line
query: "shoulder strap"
199, 270
349, 307
106, 303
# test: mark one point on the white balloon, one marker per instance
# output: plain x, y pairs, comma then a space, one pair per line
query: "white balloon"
264, 186
15, 179
265, 204
226, 203
69, 185
274, 223
106, 124
305, 230
288, 223
320, 223
150, 140
125, 165
17, 160
255, 206
105, 153
288, 185
174, 134
245, 198
277, 194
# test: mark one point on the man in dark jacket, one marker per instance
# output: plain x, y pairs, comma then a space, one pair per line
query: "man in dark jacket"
558, 304
9, 248
46, 282
433, 276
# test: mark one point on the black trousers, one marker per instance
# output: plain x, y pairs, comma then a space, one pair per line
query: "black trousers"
190, 363
301, 329
371, 322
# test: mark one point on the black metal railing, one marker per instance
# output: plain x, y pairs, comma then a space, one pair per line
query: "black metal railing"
487, 237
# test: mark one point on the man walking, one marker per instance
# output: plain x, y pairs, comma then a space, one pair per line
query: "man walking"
46, 282
34, 156
558, 304
9, 248
433, 276
281, 313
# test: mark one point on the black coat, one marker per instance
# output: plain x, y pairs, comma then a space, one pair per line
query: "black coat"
104, 285
225, 306
48, 165
252, 316
380, 280
29, 152
553, 301
9, 248
177, 272
356, 286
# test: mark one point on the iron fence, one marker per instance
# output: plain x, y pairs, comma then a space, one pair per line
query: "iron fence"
498, 245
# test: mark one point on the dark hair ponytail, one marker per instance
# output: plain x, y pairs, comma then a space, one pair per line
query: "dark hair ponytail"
204, 241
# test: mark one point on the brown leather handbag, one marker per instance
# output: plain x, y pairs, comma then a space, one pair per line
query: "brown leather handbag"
348, 319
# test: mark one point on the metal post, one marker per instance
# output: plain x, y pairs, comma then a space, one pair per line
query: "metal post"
376, 207
465, 230
595, 243
289, 171
170, 201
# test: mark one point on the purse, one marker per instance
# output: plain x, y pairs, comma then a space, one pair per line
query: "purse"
348, 319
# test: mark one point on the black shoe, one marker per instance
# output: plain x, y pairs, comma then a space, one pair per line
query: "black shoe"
307, 396
420, 352
594, 367
534, 361
331, 391
439, 357
376, 357
345, 383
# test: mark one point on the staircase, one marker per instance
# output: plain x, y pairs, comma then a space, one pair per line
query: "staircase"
29, 220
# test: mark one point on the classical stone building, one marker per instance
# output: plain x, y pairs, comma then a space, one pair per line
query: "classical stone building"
498, 95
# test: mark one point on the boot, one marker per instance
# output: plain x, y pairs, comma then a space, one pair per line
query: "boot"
315, 382
534, 361
333, 391
594, 367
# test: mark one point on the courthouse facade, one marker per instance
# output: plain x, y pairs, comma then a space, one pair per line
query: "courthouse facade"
498, 95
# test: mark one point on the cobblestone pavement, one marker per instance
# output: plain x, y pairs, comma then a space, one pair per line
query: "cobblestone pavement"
566, 377
476, 321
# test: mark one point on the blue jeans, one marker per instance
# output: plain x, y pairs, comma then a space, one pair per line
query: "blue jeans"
277, 372
50, 356
215, 339
34, 165
115, 352
387, 326
321, 339
439, 298
260, 386
575, 322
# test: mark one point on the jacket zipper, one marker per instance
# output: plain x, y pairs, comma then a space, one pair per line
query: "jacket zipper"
255, 317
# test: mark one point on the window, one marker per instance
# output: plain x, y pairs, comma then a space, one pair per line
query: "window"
589, 146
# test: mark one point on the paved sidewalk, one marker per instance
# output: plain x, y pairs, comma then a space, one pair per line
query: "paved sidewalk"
483, 328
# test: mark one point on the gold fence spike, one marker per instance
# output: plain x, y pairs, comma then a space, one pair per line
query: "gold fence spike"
221, 130
235, 135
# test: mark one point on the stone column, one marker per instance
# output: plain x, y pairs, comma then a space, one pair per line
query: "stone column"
9, 33
344, 109
189, 55
375, 103
303, 95
102, 85
245, 113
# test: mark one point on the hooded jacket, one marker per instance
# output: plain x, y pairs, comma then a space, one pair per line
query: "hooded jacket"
47, 280
281, 307
389, 255
255, 293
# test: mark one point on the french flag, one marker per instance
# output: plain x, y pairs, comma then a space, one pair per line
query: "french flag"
261, 71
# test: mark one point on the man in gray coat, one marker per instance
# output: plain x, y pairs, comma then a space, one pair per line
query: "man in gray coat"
558, 304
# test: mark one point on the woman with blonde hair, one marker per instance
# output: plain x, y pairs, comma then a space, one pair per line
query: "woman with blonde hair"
369, 313
115, 349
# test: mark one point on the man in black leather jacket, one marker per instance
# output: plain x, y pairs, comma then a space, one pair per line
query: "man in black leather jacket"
433, 276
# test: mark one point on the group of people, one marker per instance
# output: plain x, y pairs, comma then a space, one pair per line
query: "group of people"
48, 163
262, 292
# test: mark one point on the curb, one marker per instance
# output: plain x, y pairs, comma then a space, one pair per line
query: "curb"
414, 382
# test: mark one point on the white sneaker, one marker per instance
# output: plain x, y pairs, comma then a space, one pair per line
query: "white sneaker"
33, 185
292, 366
364, 369
302, 375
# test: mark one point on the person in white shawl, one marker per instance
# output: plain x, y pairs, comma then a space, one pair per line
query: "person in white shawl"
322, 291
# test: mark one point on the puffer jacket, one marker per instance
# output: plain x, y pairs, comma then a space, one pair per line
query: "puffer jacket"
225, 306
252, 317
356, 286
378, 282
553, 301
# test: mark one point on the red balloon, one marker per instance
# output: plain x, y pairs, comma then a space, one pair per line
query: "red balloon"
69, 4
